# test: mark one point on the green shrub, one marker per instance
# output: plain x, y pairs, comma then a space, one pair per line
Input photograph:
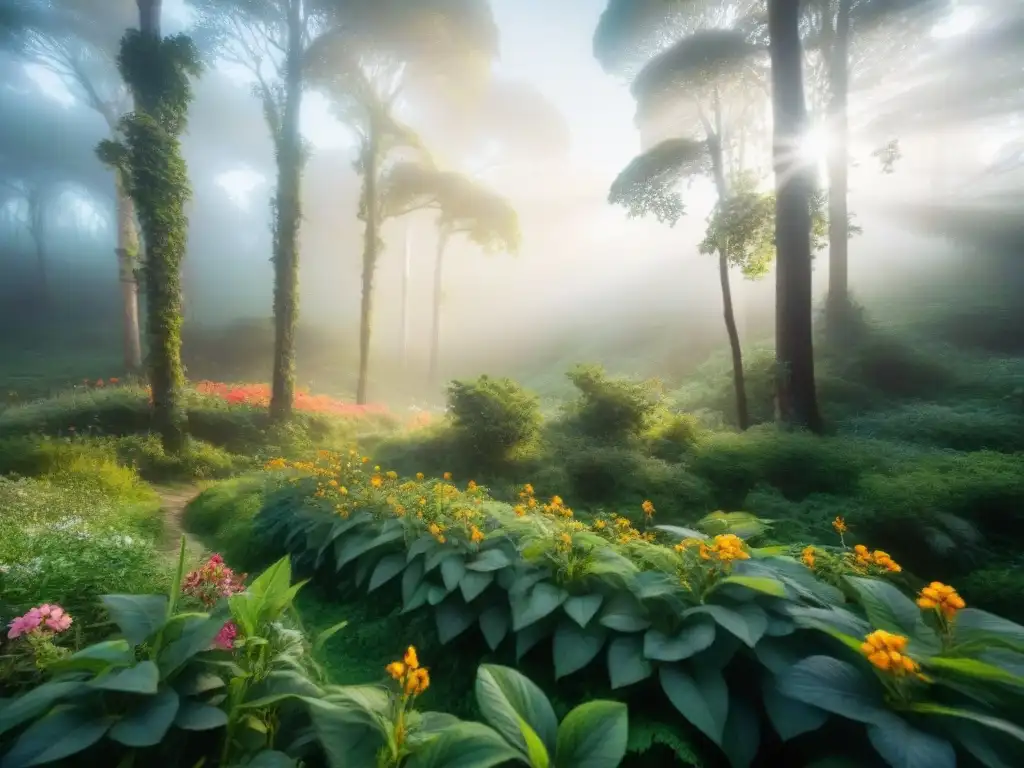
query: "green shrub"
109, 411
495, 419
672, 435
966, 426
199, 460
612, 409
222, 515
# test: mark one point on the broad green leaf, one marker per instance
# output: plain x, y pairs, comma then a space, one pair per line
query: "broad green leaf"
452, 571
473, 584
147, 723
575, 647
762, 584
523, 580
411, 580
419, 597
747, 622
59, 735
835, 686
349, 734
421, 546
277, 686
453, 618
649, 585
536, 753
142, 678
527, 638
581, 608
824, 619
904, 746
436, 594
681, 532
466, 745
692, 638
351, 547
593, 735
976, 627
541, 602
789, 718
979, 670
495, 624
95, 658
624, 613
194, 716
271, 758
139, 617
889, 609
199, 682
626, 662
742, 736
504, 696
35, 702
490, 560
702, 699
988, 721
439, 556
387, 568
197, 636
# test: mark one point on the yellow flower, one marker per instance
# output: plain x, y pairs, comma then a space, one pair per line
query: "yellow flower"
333, 483
556, 501
475, 535
519, 509
396, 669
391, 474
840, 525
377, 468
882, 559
343, 490
599, 525
412, 661
527, 490
419, 475
365, 460
417, 683
376, 481
648, 508
471, 485
566, 539
728, 547
447, 475
807, 556
940, 597
886, 652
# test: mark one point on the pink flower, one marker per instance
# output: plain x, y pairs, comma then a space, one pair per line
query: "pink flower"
45, 618
225, 639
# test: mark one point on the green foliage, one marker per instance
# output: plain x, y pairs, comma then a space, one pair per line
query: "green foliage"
198, 460
616, 410
650, 183
673, 434
222, 516
494, 418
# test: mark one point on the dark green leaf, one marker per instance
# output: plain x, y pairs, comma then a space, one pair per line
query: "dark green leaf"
575, 647
270, 758
747, 622
142, 678
348, 733
790, 718
139, 617
351, 547
277, 686
419, 596
979, 670
96, 658
624, 614
889, 609
474, 583
491, 560
147, 723
692, 638
581, 608
452, 571
465, 745
524, 580
199, 682
904, 746
681, 532
835, 686
388, 567
702, 699
35, 702
436, 594
505, 696
495, 623
194, 716
453, 618
978, 627
438, 556
626, 662
197, 635
988, 721
540, 603
411, 580
593, 735
742, 734
422, 546
59, 735
761, 584
527, 638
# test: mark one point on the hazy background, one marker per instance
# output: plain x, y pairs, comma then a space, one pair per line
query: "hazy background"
588, 284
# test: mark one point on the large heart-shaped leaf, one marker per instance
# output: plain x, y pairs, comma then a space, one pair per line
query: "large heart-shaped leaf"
691, 639
59, 735
147, 724
624, 613
889, 609
541, 602
139, 617
464, 745
581, 608
387, 568
195, 716
474, 583
453, 618
702, 699
495, 624
575, 647
142, 678
593, 735
747, 622
35, 702
902, 745
452, 571
491, 560
789, 718
508, 699
742, 736
626, 662
835, 686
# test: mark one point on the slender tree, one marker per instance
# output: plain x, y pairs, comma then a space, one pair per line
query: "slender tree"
797, 400
77, 41
150, 159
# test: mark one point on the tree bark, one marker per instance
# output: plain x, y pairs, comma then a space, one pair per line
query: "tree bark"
370, 246
435, 333
288, 212
722, 187
797, 400
127, 255
837, 305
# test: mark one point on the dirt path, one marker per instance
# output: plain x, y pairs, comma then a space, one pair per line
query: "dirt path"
173, 500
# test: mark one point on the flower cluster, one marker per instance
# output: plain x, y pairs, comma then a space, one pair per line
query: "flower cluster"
259, 395
887, 652
212, 581
940, 597
225, 639
412, 678
45, 619
864, 558
807, 557
839, 525
725, 548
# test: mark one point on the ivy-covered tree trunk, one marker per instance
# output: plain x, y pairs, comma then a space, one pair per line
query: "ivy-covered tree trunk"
435, 330
837, 306
127, 257
288, 214
371, 244
738, 378
796, 397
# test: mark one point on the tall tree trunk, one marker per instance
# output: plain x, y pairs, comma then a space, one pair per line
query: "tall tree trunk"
837, 306
371, 243
722, 187
288, 213
794, 347
435, 331
127, 256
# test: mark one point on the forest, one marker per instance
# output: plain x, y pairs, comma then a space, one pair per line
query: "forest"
483, 383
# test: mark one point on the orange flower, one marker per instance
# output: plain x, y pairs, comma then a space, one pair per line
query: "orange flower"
940, 597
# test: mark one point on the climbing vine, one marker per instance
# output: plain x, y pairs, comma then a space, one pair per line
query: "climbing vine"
159, 72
